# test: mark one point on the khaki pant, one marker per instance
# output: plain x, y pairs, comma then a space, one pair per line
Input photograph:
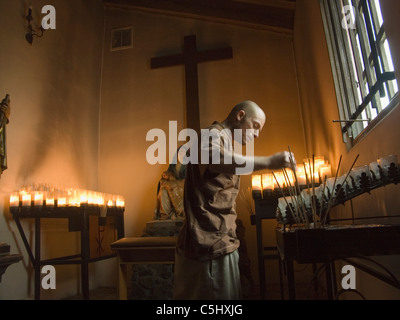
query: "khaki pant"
217, 279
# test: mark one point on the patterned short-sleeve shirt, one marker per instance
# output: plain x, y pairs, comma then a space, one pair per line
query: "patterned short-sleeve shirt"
209, 230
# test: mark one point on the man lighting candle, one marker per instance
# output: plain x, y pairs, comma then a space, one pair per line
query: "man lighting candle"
206, 262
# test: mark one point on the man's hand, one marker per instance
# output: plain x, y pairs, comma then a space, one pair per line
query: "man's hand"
248, 164
282, 160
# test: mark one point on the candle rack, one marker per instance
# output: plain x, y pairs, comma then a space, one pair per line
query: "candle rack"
302, 211
45, 210
344, 192
84, 210
44, 198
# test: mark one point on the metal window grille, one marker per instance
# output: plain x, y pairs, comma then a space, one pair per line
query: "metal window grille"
363, 72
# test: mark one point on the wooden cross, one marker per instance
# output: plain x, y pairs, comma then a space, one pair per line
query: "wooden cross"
190, 58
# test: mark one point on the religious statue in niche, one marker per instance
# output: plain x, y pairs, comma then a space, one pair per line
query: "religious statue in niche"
170, 193
5, 111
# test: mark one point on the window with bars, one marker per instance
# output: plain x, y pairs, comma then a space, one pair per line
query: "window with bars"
362, 66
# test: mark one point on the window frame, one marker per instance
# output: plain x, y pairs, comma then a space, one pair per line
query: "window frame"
359, 67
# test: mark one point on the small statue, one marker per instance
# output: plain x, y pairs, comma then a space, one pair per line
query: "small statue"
5, 111
170, 193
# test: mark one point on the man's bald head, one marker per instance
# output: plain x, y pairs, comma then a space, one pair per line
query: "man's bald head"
245, 110
248, 117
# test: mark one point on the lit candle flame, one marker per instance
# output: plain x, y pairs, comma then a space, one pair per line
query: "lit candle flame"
257, 182
26, 199
38, 194
14, 200
268, 181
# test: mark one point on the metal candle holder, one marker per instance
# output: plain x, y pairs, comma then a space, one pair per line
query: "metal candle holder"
343, 193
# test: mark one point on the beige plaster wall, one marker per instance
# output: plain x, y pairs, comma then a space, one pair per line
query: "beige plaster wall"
319, 108
136, 99
53, 134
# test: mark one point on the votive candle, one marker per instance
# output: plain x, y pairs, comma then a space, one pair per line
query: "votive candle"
26, 200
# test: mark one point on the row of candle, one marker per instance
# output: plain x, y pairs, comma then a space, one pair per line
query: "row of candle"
320, 171
51, 196
312, 171
321, 198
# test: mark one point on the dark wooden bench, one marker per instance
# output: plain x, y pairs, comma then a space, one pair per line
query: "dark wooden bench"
141, 250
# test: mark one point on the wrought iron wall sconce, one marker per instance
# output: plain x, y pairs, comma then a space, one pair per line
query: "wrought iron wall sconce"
30, 31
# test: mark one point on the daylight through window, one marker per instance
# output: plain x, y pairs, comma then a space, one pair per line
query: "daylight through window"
362, 65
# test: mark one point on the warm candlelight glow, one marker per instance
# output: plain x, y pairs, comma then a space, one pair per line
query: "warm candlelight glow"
100, 200
74, 202
314, 168
91, 198
268, 181
279, 178
290, 179
319, 161
14, 200
257, 183
316, 178
26, 199
302, 180
301, 176
50, 201
38, 199
120, 203
325, 171
73, 198
62, 201
83, 197
55, 196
